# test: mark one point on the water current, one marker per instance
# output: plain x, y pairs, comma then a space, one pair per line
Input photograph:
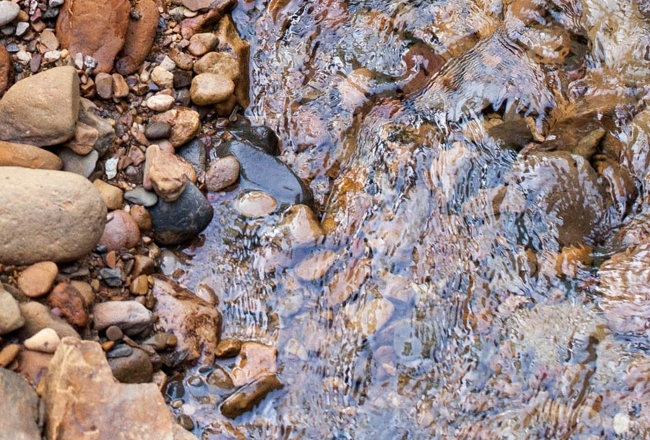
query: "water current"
457, 151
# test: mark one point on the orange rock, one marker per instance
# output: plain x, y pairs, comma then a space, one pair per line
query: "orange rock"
68, 299
28, 156
6, 70
140, 34
38, 279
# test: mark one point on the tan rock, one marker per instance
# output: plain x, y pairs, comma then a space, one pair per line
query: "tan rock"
42, 109
221, 63
222, 173
38, 316
169, 173
33, 365
120, 87
81, 396
160, 102
112, 195
347, 282
130, 316
315, 265
141, 217
38, 279
200, 44
121, 231
210, 88
88, 114
254, 360
139, 285
8, 354
162, 77
195, 323
97, 29
44, 341
372, 316
203, 22
27, 156
86, 292
256, 204
140, 34
245, 399
53, 216
230, 41
182, 60
300, 227
49, 39
104, 85
10, 315
85, 138
185, 124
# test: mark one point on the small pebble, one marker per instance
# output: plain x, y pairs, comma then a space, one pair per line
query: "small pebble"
114, 333
8, 354
158, 130
45, 341
256, 204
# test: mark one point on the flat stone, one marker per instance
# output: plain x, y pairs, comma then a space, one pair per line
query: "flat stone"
160, 102
69, 301
245, 399
77, 163
210, 88
44, 341
222, 173
141, 196
10, 316
130, 316
134, 368
228, 348
140, 35
19, 406
38, 279
260, 136
8, 12
183, 219
42, 109
121, 232
85, 138
96, 29
81, 395
185, 124
203, 22
54, 216
112, 195
253, 361
261, 171
195, 323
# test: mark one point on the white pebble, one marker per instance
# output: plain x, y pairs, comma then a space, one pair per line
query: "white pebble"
621, 423
21, 28
167, 63
160, 102
44, 341
111, 168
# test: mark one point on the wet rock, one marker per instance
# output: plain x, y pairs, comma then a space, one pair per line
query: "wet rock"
38, 279
81, 395
121, 231
130, 316
261, 171
70, 302
183, 219
140, 34
21, 418
228, 348
161, 341
200, 44
245, 399
10, 316
95, 29
253, 361
195, 323
8, 12
300, 227
210, 88
219, 63
44, 341
112, 195
78, 164
27, 156
134, 368
42, 109
168, 173
53, 216
347, 281
230, 41
38, 316
141, 196
261, 136
222, 173
185, 124
194, 153
220, 379
143, 266
158, 130
106, 132
373, 316
315, 265
256, 204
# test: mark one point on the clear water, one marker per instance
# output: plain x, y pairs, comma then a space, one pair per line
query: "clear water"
458, 323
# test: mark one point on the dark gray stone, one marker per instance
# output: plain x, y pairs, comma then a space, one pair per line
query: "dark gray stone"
182, 219
20, 416
112, 277
158, 130
261, 171
182, 78
133, 368
262, 137
195, 153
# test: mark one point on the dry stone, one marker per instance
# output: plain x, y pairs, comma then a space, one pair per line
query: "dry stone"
19, 408
27, 156
140, 34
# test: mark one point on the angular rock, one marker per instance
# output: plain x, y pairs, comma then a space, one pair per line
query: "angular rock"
96, 29
162, 77
6, 70
81, 396
261, 171
38, 316
71, 304
38, 279
53, 216
210, 88
202, 22
139, 38
42, 109
194, 152
299, 227
120, 86
185, 124
78, 164
27, 156
88, 116
195, 323
183, 219
19, 407
261, 137
168, 173
121, 232
10, 316
85, 138
245, 399
130, 316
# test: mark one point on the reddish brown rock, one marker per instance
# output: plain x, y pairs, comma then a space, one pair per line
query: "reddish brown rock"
85, 138
140, 34
202, 22
70, 302
6, 70
38, 279
94, 28
185, 124
121, 231
27, 156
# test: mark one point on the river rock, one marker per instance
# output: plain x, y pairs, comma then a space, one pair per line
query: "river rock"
220, 63
121, 231
42, 109
185, 124
21, 418
104, 85
245, 399
162, 77
210, 88
195, 323
88, 115
8, 354
85, 138
6, 70
27, 156
112, 195
261, 171
81, 395
157, 130
38, 279
260, 136
255, 204
8, 12
95, 29
203, 22
200, 44
53, 216
222, 173
141, 196
315, 265
160, 103
130, 316
253, 361
70, 303
300, 227
38, 316
168, 173
134, 368
10, 316
44, 341
183, 219
77, 163
140, 34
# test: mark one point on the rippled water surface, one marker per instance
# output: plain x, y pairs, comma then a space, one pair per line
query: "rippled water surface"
456, 152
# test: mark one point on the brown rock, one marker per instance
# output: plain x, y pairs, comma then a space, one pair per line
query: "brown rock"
42, 109
245, 399
139, 38
230, 41
86, 292
38, 279
200, 44
94, 28
38, 316
81, 395
348, 281
121, 231
210, 88
8, 354
27, 156
162, 77
221, 63
196, 324
201, 22
134, 368
120, 87
141, 217
104, 85
185, 124
254, 360
88, 115
70, 302
143, 266
33, 365
139, 285
315, 265
181, 59
53, 216
300, 227
19, 408
228, 348
6, 70
169, 174
85, 138
112, 195
222, 173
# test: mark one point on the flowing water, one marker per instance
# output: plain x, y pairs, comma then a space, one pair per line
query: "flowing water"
457, 153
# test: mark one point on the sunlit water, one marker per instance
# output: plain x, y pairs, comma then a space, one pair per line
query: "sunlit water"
456, 321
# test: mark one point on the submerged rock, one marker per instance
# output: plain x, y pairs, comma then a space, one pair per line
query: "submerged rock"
245, 399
